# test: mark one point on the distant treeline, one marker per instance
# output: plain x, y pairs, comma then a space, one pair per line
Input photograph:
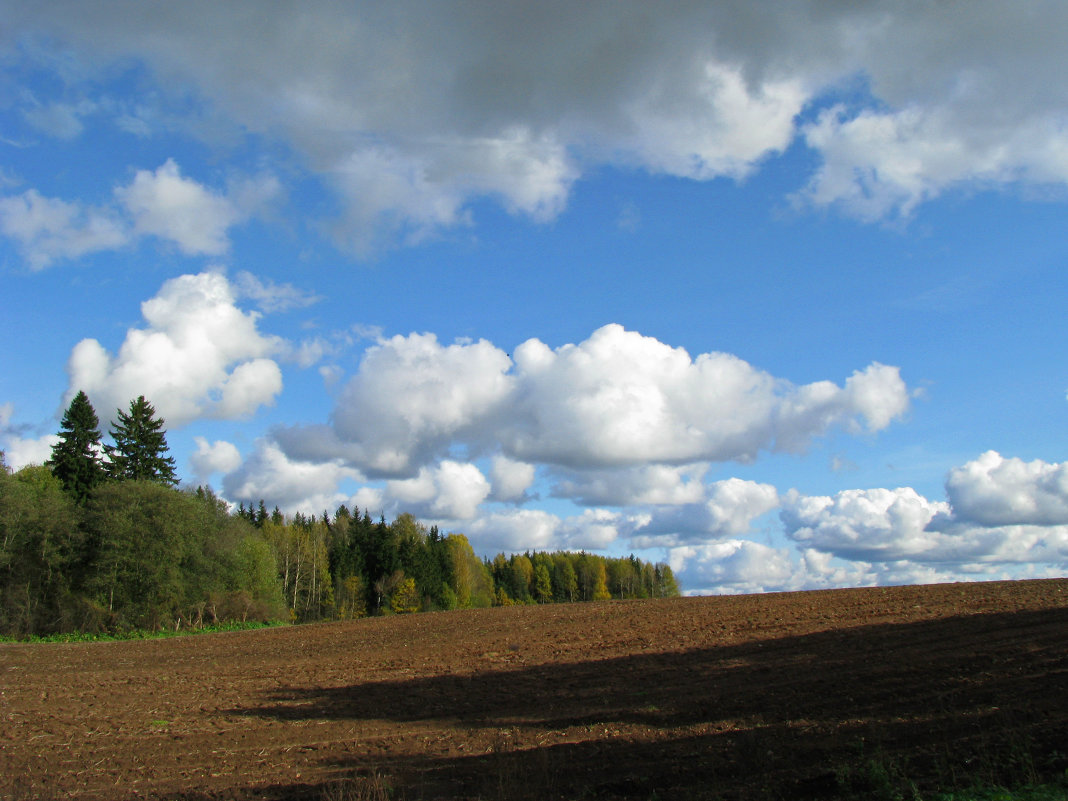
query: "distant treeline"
100, 539
141, 554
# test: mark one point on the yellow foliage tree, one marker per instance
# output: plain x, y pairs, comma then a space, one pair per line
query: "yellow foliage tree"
405, 598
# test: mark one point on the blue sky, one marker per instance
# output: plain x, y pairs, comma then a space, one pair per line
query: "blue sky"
776, 297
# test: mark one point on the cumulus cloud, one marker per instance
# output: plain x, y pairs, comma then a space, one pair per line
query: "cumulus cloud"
22, 451
618, 399
736, 566
293, 486
1000, 512
733, 566
995, 491
215, 457
874, 524
514, 530
164, 204
727, 509
449, 490
198, 355
510, 479
411, 110
411, 398
17, 449
623, 398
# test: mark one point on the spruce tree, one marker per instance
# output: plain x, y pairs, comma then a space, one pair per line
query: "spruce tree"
140, 449
76, 458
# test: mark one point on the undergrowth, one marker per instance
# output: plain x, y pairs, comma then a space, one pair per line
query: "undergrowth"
138, 634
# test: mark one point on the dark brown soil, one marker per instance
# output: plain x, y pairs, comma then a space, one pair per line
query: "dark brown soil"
841, 693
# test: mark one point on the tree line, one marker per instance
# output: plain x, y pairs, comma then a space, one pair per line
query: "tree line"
100, 538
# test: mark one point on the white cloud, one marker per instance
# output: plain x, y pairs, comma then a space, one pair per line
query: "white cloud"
995, 491
166, 205
733, 566
22, 451
653, 484
49, 229
730, 125
1002, 512
616, 400
291, 485
412, 397
622, 398
871, 525
449, 490
198, 356
215, 457
727, 509
596, 529
510, 479
514, 530
162, 204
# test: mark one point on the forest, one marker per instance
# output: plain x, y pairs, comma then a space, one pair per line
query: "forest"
102, 539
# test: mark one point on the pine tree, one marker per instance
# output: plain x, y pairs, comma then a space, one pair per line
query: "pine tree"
76, 459
140, 449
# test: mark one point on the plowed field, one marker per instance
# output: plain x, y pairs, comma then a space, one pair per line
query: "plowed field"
802, 695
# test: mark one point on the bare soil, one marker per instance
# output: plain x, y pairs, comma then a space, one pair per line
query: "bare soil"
826, 694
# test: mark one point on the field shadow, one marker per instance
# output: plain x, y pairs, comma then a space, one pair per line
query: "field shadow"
808, 716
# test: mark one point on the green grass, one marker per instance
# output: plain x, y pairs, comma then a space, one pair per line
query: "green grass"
138, 634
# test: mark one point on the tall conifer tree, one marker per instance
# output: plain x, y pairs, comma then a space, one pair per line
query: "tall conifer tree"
140, 449
76, 458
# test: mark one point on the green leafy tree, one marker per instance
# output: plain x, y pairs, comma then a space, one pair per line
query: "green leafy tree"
39, 551
76, 458
543, 586
565, 582
667, 586
140, 449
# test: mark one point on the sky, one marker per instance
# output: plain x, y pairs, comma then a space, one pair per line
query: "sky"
774, 293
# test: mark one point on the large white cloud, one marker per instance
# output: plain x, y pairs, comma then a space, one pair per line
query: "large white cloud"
995, 491
413, 108
734, 566
199, 355
874, 524
623, 398
618, 399
291, 485
449, 490
1000, 512
414, 396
